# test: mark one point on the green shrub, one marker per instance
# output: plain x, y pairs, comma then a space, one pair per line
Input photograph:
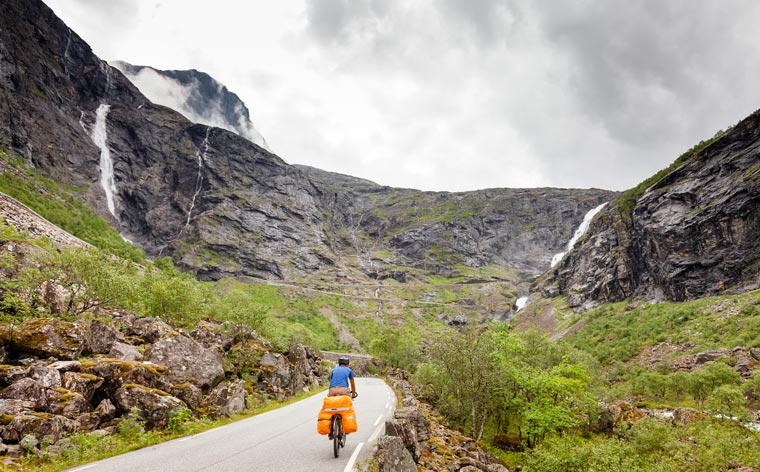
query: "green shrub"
178, 418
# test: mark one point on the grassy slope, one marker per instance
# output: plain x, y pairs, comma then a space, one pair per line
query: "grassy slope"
61, 206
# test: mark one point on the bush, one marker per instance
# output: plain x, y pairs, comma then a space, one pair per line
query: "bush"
177, 419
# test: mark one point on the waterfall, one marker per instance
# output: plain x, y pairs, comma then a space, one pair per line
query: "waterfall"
520, 303
200, 156
99, 136
578, 233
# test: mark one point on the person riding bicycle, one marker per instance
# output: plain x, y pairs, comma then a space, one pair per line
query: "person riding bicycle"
340, 378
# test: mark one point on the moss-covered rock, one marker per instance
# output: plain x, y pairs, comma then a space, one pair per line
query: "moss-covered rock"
27, 389
187, 361
69, 404
226, 399
82, 383
152, 405
49, 337
39, 425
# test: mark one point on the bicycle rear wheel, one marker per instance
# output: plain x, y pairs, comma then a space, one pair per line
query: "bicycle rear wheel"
337, 433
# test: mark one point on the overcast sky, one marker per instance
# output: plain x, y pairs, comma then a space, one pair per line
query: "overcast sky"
458, 94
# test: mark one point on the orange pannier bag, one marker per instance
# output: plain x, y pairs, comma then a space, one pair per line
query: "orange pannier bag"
341, 405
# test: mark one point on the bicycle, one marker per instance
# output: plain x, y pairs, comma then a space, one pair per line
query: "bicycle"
337, 435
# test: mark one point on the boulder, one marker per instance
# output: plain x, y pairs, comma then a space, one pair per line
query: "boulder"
416, 420
49, 337
55, 297
188, 393
113, 370
392, 456
755, 353
46, 376
625, 413
404, 430
688, 415
275, 377
213, 335
187, 361
69, 404
142, 375
66, 366
84, 384
125, 352
40, 425
11, 373
458, 320
227, 398
27, 389
87, 422
153, 406
100, 337
12, 406
151, 329
106, 410
300, 368
708, 356
744, 366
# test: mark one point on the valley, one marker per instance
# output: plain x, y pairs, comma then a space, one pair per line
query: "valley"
160, 275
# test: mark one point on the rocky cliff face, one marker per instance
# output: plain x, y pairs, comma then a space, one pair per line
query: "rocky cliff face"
518, 229
178, 186
220, 205
695, 231
196, 95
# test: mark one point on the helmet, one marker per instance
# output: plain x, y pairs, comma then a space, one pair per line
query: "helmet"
343, 360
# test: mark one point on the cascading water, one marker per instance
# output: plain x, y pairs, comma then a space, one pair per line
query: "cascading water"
578, 233
520, 303
201, 156
99, 136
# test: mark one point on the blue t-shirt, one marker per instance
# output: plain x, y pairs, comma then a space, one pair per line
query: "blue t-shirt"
340, 375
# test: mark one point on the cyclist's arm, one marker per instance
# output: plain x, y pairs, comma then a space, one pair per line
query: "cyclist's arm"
353, 385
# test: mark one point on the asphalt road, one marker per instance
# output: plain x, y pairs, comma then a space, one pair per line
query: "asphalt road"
285, 439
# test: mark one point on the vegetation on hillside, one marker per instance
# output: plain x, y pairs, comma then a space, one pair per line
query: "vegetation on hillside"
59, 205
537, 402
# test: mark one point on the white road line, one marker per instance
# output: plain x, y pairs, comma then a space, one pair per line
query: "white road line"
376, 433
196, 435
83, 468
377, 420
352, 460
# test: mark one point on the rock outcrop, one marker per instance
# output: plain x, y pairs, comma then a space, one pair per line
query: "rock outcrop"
694, 231
46, 395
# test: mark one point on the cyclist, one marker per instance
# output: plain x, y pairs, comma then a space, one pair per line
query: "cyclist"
340, 378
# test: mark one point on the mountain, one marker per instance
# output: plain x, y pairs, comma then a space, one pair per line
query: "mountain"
690, 231
222, 206
196, 95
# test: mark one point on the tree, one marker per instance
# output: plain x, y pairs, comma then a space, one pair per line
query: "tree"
715, 374
242, 311
396, 348
467, 378
728, 400
94, 278
175, 297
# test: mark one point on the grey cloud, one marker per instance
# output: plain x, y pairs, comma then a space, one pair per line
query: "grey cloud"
487, 20
631, 60
338, 20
